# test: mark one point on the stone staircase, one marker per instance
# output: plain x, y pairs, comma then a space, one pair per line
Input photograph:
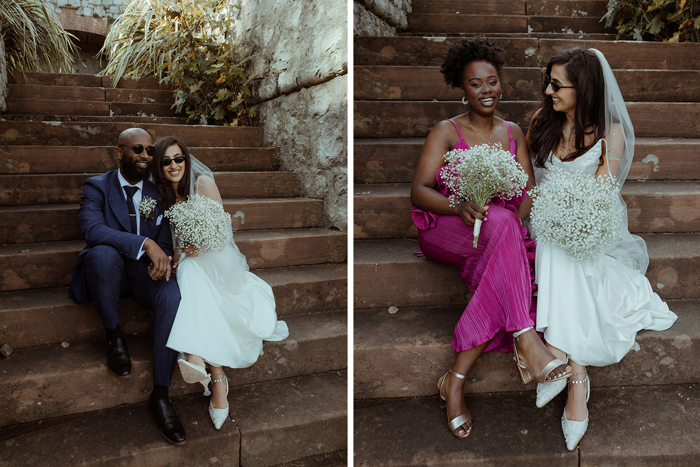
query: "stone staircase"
59, 401
644, 410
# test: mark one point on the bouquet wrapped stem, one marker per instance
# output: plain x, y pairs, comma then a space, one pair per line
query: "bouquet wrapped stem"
480, 174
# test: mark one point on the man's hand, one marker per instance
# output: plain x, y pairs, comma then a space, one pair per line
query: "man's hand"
160, 266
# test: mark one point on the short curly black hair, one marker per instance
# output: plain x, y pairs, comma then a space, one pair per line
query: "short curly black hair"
465, 51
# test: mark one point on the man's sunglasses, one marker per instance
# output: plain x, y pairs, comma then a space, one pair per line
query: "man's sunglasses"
555, 87
138, 149
179, 159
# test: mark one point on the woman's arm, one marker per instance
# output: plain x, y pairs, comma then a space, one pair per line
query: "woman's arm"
522, 155
423, 193
613, 149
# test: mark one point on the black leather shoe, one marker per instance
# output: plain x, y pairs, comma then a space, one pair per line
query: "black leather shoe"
169, 423
118, 359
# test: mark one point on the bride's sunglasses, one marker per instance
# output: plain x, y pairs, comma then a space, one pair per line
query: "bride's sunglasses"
138, 149
555, 87
179, 159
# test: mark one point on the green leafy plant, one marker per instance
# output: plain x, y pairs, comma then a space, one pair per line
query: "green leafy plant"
185, 45
660, 20
34, 38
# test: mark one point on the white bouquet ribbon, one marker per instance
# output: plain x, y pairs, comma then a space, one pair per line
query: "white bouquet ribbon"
200, 222
577, 212
480, 174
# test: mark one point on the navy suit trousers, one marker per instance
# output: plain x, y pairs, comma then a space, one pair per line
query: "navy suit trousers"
111, 276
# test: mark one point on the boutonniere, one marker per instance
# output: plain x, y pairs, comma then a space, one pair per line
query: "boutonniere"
147, 208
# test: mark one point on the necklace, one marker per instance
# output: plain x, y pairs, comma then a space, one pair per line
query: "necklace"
492, 128
566, 141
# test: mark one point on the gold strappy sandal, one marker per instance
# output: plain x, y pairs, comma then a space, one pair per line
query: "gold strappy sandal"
527, 374
459, 420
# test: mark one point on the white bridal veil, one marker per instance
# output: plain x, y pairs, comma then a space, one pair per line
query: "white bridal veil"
619, 137
229, 266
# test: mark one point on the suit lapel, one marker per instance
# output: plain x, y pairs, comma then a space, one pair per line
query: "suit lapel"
117, 202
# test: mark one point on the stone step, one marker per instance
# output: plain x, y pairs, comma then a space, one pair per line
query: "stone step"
427, 84
22, 189
139, 96
568, 24
466, 23
74, 159
572, 8
19, 133
48, 316
429, 51
631, 54
394, 160
69, 79
383, 210
52, 223
80, 93
268, 417
404, 119
43, 106
40, 265
129, 119
386, 272
53, 381
382, 342
528, 52
485, 7
625, 429
61, 93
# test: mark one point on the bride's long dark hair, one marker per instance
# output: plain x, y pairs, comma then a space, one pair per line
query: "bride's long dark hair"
546, 130
168, 196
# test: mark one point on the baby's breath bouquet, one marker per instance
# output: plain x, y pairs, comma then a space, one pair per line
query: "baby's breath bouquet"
200, 222
577, 212
480, 174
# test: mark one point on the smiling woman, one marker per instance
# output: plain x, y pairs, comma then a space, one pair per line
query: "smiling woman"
498, 269
226, 311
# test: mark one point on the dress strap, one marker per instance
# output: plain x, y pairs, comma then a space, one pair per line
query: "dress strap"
461, 138
513, 147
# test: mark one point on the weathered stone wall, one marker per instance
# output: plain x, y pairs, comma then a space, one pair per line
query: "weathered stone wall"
380, 17
298, 53
92, 8
3, 73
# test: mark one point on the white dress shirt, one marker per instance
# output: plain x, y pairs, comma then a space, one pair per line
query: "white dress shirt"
137, 201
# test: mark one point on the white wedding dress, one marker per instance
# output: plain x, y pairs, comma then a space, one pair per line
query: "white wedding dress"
592, 311
226, 311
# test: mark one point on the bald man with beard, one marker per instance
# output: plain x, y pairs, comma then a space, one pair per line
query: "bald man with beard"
129, 254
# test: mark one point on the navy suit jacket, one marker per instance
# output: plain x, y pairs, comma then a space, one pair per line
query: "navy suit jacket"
104, 220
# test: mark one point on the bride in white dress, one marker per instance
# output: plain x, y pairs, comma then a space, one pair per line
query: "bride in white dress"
589, 312
225, 311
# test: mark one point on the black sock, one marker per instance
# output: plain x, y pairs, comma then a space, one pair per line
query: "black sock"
159, 392
114, 333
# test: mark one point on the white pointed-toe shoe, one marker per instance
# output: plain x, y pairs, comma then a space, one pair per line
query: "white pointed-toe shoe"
548, 391
219, 416
574, 430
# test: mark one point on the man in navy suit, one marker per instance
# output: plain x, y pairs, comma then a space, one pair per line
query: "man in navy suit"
128, 254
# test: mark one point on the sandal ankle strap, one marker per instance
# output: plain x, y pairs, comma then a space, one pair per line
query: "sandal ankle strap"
522, 331
456, 375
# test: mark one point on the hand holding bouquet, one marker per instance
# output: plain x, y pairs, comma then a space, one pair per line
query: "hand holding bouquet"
480, 174
576, 212
200, 222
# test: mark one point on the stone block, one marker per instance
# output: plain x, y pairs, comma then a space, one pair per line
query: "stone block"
317, 152
294, 44
368, 24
